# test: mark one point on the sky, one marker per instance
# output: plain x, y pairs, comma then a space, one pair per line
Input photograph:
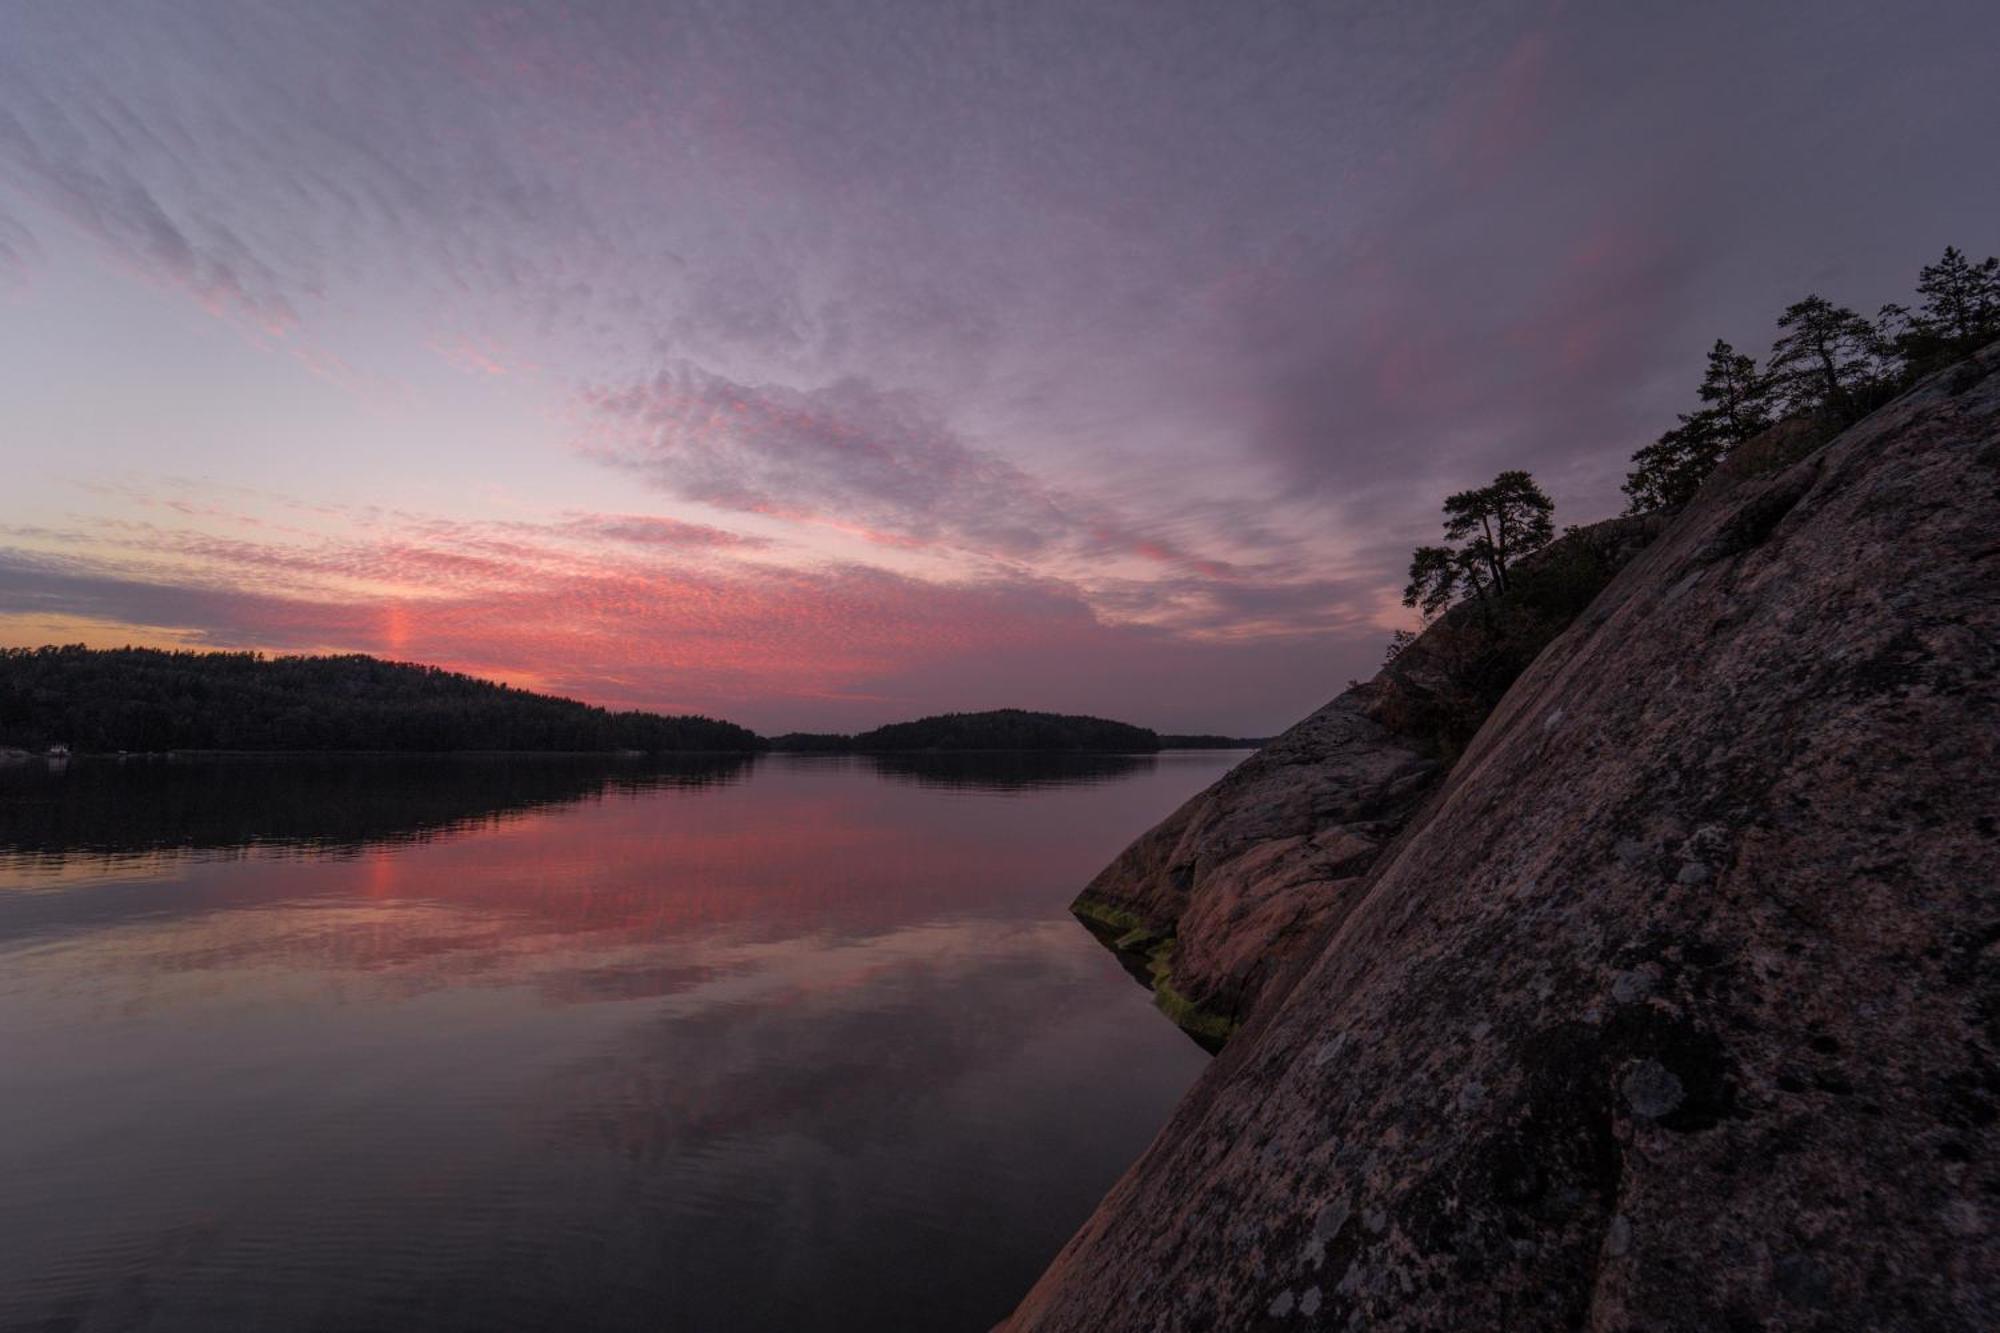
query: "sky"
817, 365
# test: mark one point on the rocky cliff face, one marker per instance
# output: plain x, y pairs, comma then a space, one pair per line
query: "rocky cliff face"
1229, 892
1674, 1007
1229, 895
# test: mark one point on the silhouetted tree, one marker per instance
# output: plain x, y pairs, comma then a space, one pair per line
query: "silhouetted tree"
1437, 574
1667, 472
1495, 526
1894, 329
1511, 517
1449, 677
1961, 298
1738, 396
1828, 368
1960, 313
1398, 641
1828, 358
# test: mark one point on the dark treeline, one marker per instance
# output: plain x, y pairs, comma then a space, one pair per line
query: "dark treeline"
1501, 584
145, 700
1003, 729
814, 742
1011, 729
1829, 367
142, 699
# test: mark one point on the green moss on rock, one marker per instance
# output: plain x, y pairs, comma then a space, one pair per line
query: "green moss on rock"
1206, 1026
1108, 918
1153, 950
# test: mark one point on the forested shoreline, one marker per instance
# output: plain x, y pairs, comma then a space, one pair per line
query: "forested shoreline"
149, 700
146, 700
1004, 729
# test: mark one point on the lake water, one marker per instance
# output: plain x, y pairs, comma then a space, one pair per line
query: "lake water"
793, 1043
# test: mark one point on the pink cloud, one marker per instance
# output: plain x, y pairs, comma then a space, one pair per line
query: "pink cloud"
875, 464
611, 608
647, 530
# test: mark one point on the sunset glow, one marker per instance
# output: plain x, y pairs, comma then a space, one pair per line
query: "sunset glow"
692, 361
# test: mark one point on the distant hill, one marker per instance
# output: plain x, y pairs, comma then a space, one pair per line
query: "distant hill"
1010, 729
1002, 729
142, 699
1177, 741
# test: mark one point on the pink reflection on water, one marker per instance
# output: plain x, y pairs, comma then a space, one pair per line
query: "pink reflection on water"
716, 1049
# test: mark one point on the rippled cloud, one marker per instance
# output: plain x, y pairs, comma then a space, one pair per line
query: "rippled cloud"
646, 612
1153, 331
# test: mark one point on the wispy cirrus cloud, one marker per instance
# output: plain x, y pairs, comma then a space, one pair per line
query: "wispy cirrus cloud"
884, 464
1123, 576
1170, 323
849, 450
409, 555
53, 150
649, 530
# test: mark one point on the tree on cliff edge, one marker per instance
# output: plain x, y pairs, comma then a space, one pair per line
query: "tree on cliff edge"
1505, 521
1492, 527
1960, 313
1736, 405
1830, 358
1961, 298
1438, 574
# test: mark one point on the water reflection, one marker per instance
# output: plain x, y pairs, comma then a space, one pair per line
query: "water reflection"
979, 771
1010, 771
778, 1044
120, 807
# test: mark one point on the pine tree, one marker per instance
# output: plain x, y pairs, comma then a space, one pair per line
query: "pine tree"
1435, 576
1961, 299
1440, 575
1495, 526
1738, 396
1667, 472
1829, 358
1511, 517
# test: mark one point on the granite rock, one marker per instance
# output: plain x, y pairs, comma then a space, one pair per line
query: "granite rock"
1674, 1007
1231, 894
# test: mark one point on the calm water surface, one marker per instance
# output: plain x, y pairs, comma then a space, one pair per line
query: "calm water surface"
799, 1043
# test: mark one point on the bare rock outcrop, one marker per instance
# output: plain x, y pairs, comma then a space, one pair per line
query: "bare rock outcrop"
1230, 891
1231, 894
1674, 1008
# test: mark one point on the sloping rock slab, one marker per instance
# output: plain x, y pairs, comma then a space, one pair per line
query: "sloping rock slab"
1247, 874
1231, 894
1675, 1009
